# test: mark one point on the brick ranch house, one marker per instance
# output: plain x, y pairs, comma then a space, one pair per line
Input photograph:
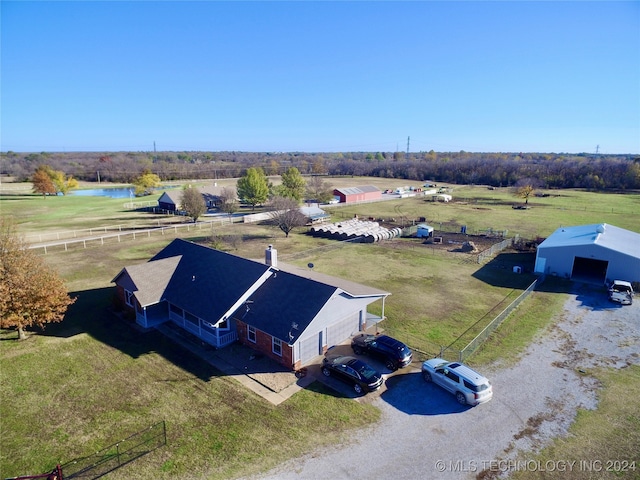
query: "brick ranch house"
287, 313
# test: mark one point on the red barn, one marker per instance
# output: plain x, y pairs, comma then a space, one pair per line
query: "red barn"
358, 194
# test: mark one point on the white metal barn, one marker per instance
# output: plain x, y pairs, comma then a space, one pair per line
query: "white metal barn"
596, 253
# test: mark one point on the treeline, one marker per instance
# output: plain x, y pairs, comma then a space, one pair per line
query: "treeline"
596, 172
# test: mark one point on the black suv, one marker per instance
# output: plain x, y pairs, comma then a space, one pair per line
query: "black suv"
392, 352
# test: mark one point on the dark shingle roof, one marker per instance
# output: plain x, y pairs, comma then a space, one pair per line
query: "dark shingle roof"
207, 282
285, 299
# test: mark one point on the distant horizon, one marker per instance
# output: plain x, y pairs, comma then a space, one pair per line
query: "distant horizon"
321, 77
283, 152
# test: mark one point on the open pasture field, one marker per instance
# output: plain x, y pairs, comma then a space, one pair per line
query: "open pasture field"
82, 384
481, 209
477, 207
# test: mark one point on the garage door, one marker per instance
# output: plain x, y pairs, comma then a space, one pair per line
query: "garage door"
310, 348
589, 270
342, 330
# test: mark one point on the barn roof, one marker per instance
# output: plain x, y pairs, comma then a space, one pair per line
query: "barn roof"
600, 234
356, 190
314, 213
170, 196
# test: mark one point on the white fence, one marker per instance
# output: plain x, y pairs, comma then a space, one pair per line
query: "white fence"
133, 234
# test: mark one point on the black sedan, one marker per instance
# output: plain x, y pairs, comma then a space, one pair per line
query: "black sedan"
353, 371
392, 352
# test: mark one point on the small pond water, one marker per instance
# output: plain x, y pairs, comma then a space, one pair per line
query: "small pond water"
120, 192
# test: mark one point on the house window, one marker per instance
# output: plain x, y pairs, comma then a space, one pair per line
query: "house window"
251, 333
277, 346
128, 298
176, 310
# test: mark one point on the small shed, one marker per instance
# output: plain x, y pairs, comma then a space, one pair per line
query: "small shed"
424, 231
441, 197
314, 214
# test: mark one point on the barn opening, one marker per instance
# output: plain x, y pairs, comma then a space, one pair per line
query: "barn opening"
589, 270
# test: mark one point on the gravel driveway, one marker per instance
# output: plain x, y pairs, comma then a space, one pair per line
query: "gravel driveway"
424, 433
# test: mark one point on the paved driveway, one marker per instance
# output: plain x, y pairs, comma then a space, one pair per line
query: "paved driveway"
425, 433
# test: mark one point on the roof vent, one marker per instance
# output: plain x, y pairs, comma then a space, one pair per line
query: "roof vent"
271, 256
600, 228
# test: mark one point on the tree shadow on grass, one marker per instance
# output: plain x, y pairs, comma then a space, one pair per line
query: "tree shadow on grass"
92, 314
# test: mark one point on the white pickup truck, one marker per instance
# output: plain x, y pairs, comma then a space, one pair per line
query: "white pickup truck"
621, 291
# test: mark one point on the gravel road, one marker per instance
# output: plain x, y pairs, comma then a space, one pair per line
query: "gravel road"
424, 433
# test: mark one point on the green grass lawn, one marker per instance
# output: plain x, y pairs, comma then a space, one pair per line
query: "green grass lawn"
83, 384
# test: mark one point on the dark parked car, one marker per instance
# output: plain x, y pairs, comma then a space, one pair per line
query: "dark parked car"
353, 371
392, 352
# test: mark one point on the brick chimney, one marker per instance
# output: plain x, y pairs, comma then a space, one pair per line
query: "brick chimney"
271, 256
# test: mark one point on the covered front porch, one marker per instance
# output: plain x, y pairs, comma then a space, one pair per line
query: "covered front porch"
218, 336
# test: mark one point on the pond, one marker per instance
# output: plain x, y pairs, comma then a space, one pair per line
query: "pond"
119, 192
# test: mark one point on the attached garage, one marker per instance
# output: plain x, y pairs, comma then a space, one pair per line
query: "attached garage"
596, 253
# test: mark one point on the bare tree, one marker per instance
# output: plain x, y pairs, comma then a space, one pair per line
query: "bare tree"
285, 214
319, 190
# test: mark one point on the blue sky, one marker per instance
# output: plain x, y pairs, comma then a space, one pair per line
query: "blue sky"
329, 76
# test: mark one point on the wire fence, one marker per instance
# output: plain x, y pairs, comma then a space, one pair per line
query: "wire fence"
449, 353
117, 455
495, 248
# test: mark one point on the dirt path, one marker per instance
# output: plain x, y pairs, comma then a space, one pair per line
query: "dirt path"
424, 433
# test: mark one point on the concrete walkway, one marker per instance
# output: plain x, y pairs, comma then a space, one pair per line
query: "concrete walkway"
257, 373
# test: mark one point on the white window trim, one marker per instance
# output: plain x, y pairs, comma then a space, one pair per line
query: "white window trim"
128, 298
276, 342
251, 331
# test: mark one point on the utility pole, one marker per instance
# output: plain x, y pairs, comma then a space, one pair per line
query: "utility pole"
408, 138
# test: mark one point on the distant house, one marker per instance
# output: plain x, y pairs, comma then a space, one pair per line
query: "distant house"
358, 194
170, 199
287, 313
212, 194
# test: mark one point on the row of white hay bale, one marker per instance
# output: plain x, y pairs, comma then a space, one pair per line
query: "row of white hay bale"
366, 231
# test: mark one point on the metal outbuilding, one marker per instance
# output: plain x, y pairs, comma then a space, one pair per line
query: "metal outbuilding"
358, 194
597, 253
